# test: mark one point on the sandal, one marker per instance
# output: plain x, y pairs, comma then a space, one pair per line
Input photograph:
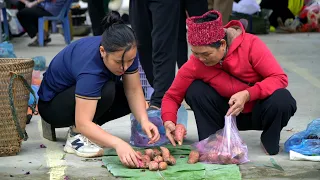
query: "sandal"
36, 43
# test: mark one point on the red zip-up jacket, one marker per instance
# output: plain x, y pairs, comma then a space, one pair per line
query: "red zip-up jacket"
248, 59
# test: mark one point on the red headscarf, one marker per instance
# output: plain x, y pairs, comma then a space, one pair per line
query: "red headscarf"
205, 33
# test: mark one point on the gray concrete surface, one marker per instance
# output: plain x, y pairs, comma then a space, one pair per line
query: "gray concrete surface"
297, 53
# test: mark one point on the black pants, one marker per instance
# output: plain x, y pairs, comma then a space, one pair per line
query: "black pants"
60, 111
96, 13
28, 18
269, 115
280, 9
194, 8
157, 27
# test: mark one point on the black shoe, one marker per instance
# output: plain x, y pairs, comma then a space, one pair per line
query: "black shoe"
153, 107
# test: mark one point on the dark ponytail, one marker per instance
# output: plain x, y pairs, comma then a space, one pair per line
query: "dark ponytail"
117, 36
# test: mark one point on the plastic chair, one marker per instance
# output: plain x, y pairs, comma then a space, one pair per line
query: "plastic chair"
62, 17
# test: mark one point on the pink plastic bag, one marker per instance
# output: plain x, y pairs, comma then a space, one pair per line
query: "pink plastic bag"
223, 147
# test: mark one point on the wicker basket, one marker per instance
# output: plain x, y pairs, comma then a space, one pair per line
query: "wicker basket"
15, 77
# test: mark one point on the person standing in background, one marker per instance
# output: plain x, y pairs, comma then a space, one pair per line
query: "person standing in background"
161, 36
189, 8
223, 6
97, 11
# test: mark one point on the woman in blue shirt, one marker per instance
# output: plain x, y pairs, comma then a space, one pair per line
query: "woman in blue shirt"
82, 89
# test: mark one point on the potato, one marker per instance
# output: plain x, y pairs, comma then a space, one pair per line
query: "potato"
237, 153
162, 166
193, 157
212, 157
149, 152
171, 160
165, 153
179, 133
224, 158
219, 138
139, 153
146, 158
158, 159
144, 162
211, 144
153, 166
141, 164
203, 158
156, 152
235, 161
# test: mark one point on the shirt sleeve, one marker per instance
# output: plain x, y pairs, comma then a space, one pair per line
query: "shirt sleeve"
134, 66
89, 86
264, 63
176, 93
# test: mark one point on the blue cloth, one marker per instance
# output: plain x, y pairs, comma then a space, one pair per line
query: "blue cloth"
79, 64
53, 7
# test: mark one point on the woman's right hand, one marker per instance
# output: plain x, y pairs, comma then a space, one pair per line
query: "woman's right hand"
127, 154
170, 128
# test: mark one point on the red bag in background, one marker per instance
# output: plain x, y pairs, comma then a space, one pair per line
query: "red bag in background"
223, 147
310, 16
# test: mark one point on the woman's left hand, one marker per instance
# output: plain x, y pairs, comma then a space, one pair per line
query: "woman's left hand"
237, 102
151, 130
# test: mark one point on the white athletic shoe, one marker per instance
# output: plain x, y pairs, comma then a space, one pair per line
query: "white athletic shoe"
82, 146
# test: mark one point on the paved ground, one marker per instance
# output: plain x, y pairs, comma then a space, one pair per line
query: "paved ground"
298, 54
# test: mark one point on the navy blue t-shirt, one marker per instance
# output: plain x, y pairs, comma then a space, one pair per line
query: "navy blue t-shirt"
79, 64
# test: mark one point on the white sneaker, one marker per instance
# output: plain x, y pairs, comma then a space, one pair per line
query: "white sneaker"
82, 146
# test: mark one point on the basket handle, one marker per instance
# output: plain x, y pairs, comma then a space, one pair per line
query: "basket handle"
22, 133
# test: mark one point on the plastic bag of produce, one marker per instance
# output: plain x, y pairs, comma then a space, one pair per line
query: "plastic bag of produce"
223, 147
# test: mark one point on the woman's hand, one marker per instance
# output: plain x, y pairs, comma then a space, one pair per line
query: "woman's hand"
170, 128
151, 130
127, 154
237, 102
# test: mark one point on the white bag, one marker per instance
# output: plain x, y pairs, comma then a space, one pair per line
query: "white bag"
14, 24
246, 7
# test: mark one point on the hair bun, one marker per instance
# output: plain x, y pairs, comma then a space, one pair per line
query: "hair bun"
112, 18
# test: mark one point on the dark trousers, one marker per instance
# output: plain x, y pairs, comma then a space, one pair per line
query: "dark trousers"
96, 13
28, 18
194, 8
269, 115
280, 9
157, 27
60, 111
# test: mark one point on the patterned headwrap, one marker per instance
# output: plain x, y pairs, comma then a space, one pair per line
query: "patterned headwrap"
205, 33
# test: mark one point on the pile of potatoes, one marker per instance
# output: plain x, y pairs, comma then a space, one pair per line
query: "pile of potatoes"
154, 159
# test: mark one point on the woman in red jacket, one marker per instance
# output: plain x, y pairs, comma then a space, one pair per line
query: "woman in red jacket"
230, 73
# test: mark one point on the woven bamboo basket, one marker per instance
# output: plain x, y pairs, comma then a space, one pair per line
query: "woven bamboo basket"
21, 69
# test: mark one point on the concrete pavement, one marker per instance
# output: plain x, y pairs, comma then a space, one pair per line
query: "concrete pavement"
297, 53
